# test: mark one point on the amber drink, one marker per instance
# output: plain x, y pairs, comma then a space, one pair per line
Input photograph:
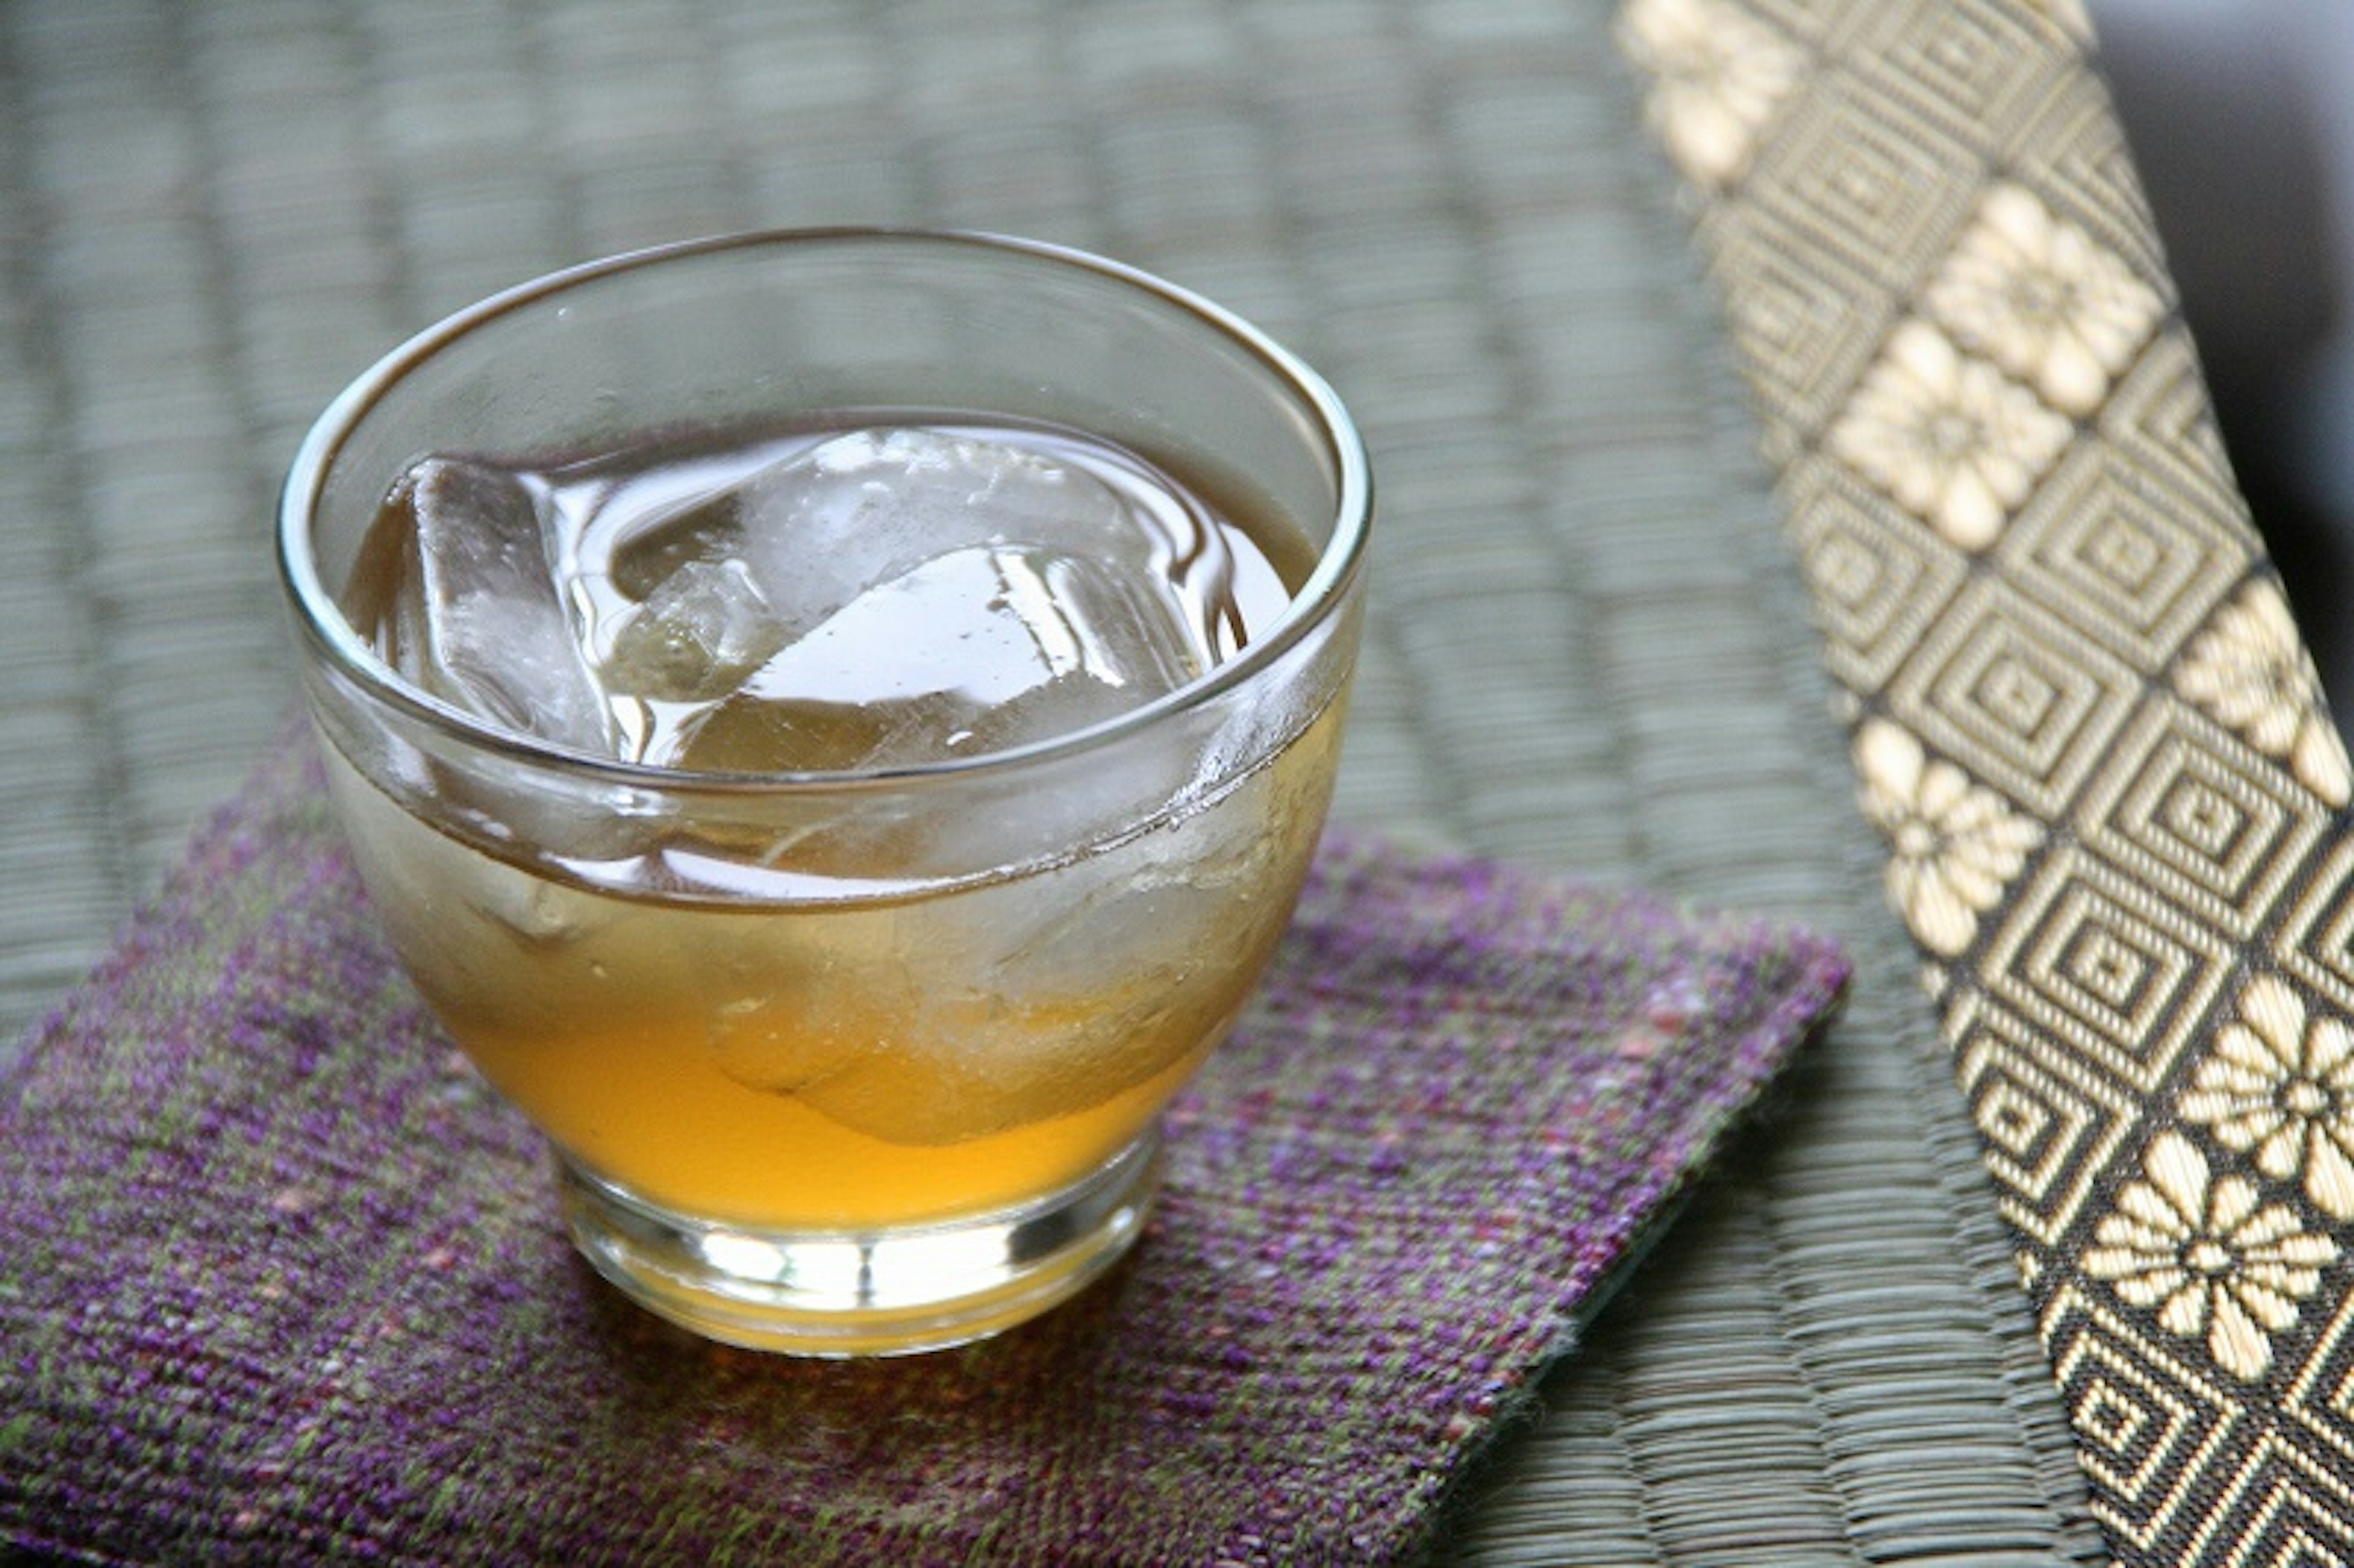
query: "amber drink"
835, 724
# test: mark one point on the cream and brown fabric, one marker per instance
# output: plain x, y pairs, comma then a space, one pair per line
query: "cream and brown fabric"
2081, 717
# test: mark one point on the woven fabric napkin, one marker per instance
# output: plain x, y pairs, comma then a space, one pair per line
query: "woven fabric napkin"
280, 1280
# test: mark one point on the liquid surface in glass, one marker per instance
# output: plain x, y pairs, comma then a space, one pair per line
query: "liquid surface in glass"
811, 599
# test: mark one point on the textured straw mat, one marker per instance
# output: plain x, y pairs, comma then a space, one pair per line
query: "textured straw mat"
1588, 648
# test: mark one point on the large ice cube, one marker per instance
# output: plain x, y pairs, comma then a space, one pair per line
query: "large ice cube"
638, 542
789, 1026
974, 651
465, 598
861, 508
987, 1063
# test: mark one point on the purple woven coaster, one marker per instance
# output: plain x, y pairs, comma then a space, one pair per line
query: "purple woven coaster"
281, 1281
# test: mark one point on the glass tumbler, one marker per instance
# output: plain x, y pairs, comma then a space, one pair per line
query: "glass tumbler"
869, 1059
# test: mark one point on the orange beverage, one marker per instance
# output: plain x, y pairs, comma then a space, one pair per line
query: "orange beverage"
860, 1063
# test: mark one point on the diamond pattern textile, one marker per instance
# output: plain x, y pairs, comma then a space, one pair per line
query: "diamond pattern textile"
2082, 719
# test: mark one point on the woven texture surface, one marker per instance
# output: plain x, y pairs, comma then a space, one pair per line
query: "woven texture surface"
2116, 805
1589, 647
290, 1286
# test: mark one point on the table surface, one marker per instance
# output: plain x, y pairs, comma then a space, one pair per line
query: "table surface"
1589, 646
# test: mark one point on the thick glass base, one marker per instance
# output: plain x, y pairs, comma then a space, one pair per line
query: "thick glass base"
850, 1293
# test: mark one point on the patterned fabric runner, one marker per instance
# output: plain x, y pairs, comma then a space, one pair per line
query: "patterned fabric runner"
2082, 716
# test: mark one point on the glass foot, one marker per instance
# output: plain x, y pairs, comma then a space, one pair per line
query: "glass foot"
852, 1293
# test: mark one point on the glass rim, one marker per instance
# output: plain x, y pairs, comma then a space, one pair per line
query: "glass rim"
332, 638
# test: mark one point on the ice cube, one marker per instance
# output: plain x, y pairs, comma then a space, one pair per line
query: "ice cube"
780, 1037
867, 507
462, 586
974, 651
987, 1064
695, 637
535, 914
641, 543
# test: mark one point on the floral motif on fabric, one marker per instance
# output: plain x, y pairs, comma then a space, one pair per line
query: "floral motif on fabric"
1956, 442
1718, 76
2249, 670
2043, 300
2208, 1255
2279, 1087
1954, 844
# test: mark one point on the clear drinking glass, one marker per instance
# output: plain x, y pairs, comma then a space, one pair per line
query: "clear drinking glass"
871, 1060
